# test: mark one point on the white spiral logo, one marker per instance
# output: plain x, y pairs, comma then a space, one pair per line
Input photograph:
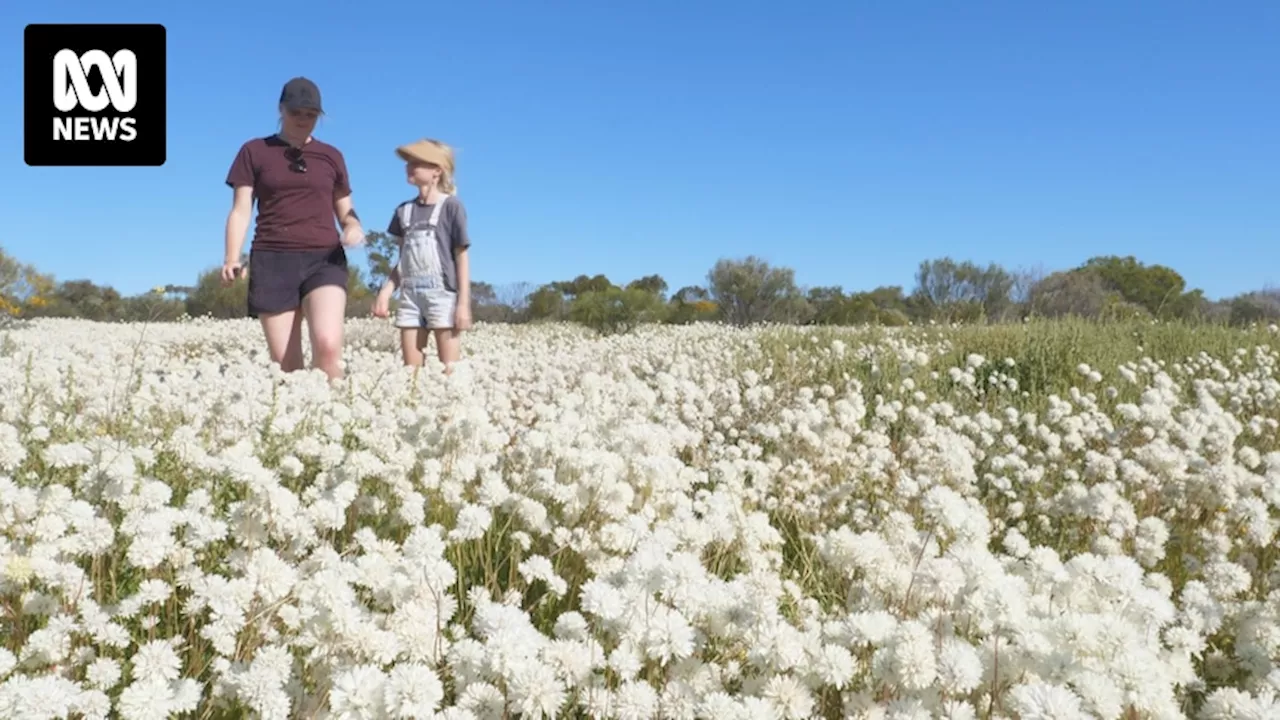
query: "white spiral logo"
123, 93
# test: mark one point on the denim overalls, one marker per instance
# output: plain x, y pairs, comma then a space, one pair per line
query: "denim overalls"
425, 302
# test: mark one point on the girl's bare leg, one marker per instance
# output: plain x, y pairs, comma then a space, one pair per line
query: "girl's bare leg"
448, 347
412, 342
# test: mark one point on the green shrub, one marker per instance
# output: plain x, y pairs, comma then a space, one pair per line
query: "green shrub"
616, 310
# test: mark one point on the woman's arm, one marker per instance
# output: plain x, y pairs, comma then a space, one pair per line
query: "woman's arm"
237, 223
242, 177
352, 232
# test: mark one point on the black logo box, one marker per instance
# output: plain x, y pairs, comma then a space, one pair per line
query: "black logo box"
150, 146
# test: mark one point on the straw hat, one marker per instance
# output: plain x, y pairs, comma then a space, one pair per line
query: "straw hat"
428, 151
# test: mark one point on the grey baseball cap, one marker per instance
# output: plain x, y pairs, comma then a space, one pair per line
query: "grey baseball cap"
301, 93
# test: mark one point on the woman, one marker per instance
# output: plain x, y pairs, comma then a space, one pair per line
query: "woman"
298, 264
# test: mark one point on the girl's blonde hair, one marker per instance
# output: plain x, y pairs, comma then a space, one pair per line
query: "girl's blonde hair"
434, 152
445, 184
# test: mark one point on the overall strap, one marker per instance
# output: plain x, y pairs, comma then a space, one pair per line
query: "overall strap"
435, 211
406, 216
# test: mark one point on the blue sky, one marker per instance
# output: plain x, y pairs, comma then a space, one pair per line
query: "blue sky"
848, 140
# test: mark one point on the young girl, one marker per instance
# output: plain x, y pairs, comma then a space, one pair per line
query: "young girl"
433, 273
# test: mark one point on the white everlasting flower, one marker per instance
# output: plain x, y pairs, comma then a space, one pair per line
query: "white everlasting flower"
413, 691
359, 693
676, 522
473, 522
788, 698
1046, 701
909, 659
535, 691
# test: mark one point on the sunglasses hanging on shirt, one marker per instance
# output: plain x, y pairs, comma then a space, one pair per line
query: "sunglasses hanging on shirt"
296, 161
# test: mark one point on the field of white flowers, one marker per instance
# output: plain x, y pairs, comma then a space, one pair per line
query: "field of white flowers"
1049, 522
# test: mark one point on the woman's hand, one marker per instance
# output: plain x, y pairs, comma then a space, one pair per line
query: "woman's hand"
231, 270
352, 235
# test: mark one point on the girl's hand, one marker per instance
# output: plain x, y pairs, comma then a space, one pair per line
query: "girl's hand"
382, 305
462, 316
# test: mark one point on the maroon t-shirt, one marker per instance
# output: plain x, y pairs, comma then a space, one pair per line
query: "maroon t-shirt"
295, 209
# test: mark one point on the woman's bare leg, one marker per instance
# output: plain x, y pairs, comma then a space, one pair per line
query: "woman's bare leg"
326, 309
284, 338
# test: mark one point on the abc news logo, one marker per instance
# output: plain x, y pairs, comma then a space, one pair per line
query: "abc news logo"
95, 95
71, 90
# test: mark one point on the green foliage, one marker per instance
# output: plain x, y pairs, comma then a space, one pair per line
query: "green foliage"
1071, 293
210, 297
360, 293
751, 291
892, 317
689, 305
382, 252
653, 284
1255, 307
82, 298
582, 284
951, 291
740, 292
617, 310
22, 287
1159, 290
547, 303
1046, 354
1153, 287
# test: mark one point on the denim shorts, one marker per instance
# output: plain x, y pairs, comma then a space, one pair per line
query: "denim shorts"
432, 308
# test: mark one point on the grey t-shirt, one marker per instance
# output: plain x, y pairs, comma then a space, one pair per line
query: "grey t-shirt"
451, 232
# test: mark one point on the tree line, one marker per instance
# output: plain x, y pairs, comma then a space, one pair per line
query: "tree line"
737, 291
